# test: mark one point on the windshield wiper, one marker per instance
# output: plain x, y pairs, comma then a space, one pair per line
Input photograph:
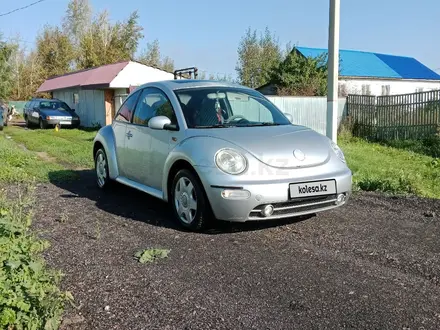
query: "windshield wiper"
262, 124
213, 126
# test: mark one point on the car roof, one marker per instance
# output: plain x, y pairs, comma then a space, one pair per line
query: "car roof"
193, 83
43, 99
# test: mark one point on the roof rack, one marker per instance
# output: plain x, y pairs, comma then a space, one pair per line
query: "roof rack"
191, 72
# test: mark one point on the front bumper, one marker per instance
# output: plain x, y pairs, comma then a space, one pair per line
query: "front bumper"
275, 193
62, 122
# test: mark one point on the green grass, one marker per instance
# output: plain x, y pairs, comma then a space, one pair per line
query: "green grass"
428, 146
382, 168
71, 146
18, 165
30, 297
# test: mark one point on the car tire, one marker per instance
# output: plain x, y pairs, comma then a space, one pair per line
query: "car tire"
42, 124
101, 170
189, 200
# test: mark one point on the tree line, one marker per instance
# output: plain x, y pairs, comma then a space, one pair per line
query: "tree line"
85, 40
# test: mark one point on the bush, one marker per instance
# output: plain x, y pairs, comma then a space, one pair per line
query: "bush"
29, 293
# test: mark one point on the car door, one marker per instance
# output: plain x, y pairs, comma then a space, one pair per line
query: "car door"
139, 141
122, 118
149, 148
33, 114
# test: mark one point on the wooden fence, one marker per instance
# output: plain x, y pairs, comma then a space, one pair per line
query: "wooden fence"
406, 116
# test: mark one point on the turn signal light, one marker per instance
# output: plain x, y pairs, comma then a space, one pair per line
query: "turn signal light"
236, 194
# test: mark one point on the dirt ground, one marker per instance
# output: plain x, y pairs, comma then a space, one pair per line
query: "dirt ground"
373, 264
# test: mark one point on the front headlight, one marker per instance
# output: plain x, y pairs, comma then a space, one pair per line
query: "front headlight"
230, 161
338, 151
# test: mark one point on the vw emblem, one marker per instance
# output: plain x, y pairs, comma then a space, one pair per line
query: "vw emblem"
299, 154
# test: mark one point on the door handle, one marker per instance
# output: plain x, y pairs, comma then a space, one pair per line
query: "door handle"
129, 135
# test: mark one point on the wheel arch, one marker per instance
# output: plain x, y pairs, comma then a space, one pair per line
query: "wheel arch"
105, 139
178, 165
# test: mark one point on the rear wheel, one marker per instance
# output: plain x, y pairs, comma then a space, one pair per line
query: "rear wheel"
189, 202
101, 167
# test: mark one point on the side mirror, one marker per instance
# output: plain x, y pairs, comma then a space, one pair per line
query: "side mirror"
288, 116
73, 110
159, 122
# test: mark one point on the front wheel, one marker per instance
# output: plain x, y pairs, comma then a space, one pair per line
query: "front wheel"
189, 202
43, 125
101, 167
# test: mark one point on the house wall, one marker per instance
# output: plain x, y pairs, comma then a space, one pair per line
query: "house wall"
135, 74
378, 87
90, 107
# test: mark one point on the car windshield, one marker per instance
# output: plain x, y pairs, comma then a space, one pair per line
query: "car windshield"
219, 107
54, 105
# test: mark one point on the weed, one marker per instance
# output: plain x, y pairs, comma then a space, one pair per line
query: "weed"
29, 294
151, 255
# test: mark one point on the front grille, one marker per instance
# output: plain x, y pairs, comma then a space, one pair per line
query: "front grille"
294, 207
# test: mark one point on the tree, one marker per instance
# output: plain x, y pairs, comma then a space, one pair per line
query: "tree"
77, 20
257, 57
5, 69
106, 43
54, 51
152, 57
300, 75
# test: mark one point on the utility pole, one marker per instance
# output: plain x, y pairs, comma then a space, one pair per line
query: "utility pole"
333, 71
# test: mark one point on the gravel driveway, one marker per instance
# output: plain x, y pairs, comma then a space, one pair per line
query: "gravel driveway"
373, 264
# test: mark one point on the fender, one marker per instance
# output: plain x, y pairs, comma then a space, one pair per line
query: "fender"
193, 150
106, 137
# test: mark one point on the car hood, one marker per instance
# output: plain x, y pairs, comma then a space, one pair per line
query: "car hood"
54, 113
275, 145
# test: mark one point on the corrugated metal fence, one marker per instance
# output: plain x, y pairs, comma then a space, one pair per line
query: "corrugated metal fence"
309, 111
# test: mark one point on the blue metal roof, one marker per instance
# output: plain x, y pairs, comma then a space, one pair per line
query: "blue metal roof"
367, 64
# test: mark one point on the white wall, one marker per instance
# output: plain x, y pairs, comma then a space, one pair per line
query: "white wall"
66, 95
135, 74
355, 86
90, 108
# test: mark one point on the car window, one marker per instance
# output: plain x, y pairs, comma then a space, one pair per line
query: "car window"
54, 105
153, 102
227, 107
144, 110
126, 110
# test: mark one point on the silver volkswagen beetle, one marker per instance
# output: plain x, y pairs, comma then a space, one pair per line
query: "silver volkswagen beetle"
216, 150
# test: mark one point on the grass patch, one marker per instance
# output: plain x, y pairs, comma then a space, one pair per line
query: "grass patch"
30, 297
429, 146
19, 165
72, 146
382, 168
